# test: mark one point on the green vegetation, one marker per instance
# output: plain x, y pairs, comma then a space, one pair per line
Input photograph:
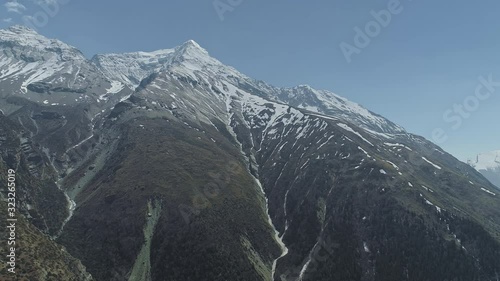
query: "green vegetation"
38, 257
210, 203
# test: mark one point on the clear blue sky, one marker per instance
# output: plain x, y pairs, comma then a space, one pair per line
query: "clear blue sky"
427, 59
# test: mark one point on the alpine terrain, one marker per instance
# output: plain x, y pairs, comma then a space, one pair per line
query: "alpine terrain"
170, 165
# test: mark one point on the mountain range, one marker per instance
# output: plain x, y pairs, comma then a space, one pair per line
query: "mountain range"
170, 165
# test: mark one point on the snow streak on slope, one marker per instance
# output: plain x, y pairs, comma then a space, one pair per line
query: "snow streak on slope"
328, 103
233, 93
349, 129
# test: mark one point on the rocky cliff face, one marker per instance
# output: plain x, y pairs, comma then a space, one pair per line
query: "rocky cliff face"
221, 177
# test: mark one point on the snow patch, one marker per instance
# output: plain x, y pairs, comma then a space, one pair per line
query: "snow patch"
349, 129
434, 165
488, 191
116, 87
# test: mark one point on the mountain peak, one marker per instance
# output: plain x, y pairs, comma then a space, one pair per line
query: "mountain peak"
304, 86
187, 58
191, 49
24, 36
19, 33
20, 29
191, 44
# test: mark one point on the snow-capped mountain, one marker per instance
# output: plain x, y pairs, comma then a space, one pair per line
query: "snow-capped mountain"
36, 61
132, 68
192, 60
488, 164
170, 163
36, 67
30, 58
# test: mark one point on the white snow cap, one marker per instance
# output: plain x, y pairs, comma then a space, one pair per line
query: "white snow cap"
188, 58
26, 37
487, 161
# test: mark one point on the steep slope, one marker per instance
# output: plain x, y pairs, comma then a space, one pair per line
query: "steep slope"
38, 257
250, 181
39, 199
47, 70
40, 209
212, 209
52, 90
488, 164
349, 205
190, 60
325, 173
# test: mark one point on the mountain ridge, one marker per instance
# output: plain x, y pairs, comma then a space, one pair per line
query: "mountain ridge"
136, 66
253, 182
